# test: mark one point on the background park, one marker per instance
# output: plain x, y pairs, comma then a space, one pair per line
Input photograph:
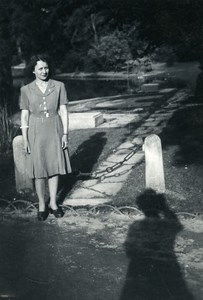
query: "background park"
107, 50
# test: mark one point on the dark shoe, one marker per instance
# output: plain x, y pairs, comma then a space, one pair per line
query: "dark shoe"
58, 213
42, 215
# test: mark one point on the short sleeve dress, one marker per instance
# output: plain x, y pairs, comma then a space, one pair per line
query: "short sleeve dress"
47, 158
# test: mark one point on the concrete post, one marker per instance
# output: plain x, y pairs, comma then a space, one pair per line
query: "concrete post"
23, 182
154, 170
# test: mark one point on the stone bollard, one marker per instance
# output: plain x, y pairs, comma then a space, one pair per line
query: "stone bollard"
23, 182
154, 170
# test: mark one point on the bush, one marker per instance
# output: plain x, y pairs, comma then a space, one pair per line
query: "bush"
110, 54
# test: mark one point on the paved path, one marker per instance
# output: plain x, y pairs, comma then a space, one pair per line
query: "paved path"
98, 191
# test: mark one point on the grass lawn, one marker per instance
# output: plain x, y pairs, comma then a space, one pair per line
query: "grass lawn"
182, 143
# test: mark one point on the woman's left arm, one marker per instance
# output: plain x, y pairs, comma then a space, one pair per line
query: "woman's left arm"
63, 111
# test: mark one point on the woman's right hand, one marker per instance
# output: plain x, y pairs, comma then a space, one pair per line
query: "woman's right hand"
26, 147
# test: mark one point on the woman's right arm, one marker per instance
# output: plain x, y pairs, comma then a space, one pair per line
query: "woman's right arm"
24, 127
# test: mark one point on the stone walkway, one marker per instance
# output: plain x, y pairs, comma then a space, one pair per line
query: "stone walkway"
100, 190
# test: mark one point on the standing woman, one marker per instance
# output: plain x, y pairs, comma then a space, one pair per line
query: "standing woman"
44, 124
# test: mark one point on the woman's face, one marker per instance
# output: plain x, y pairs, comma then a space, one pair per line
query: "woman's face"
41, 70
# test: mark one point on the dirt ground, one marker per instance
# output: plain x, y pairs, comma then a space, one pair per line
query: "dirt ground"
101, 255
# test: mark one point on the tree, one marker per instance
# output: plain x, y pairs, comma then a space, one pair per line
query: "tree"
5, 55
73, 30
111, 52
37, 26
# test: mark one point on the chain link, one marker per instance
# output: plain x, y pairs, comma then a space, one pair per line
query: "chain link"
102, 174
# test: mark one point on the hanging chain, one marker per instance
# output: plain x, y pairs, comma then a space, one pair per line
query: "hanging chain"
102, 174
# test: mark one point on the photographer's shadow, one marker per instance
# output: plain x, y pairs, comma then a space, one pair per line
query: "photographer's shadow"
153, 271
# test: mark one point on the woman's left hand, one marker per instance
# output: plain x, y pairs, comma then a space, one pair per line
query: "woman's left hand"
64, 141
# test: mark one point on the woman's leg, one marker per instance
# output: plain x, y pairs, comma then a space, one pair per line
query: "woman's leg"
53, 187
40, 190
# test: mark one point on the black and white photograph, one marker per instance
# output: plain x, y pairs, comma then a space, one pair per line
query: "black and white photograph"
101, 149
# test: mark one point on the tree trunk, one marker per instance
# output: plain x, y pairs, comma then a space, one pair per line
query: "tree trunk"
94, 29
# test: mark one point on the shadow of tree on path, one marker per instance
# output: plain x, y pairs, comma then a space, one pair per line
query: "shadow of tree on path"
82, 160
185, 129
153, 272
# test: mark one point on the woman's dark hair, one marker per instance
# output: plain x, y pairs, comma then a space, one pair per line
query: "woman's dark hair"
32, 63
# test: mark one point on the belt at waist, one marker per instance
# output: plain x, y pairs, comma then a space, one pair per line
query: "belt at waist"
43, 115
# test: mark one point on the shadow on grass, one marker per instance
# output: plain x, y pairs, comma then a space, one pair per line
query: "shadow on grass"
153, 271
83, 160
185, 130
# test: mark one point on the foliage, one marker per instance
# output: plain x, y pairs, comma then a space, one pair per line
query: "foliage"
36, 27
5, 55
110, 53
7, 129
80, 34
